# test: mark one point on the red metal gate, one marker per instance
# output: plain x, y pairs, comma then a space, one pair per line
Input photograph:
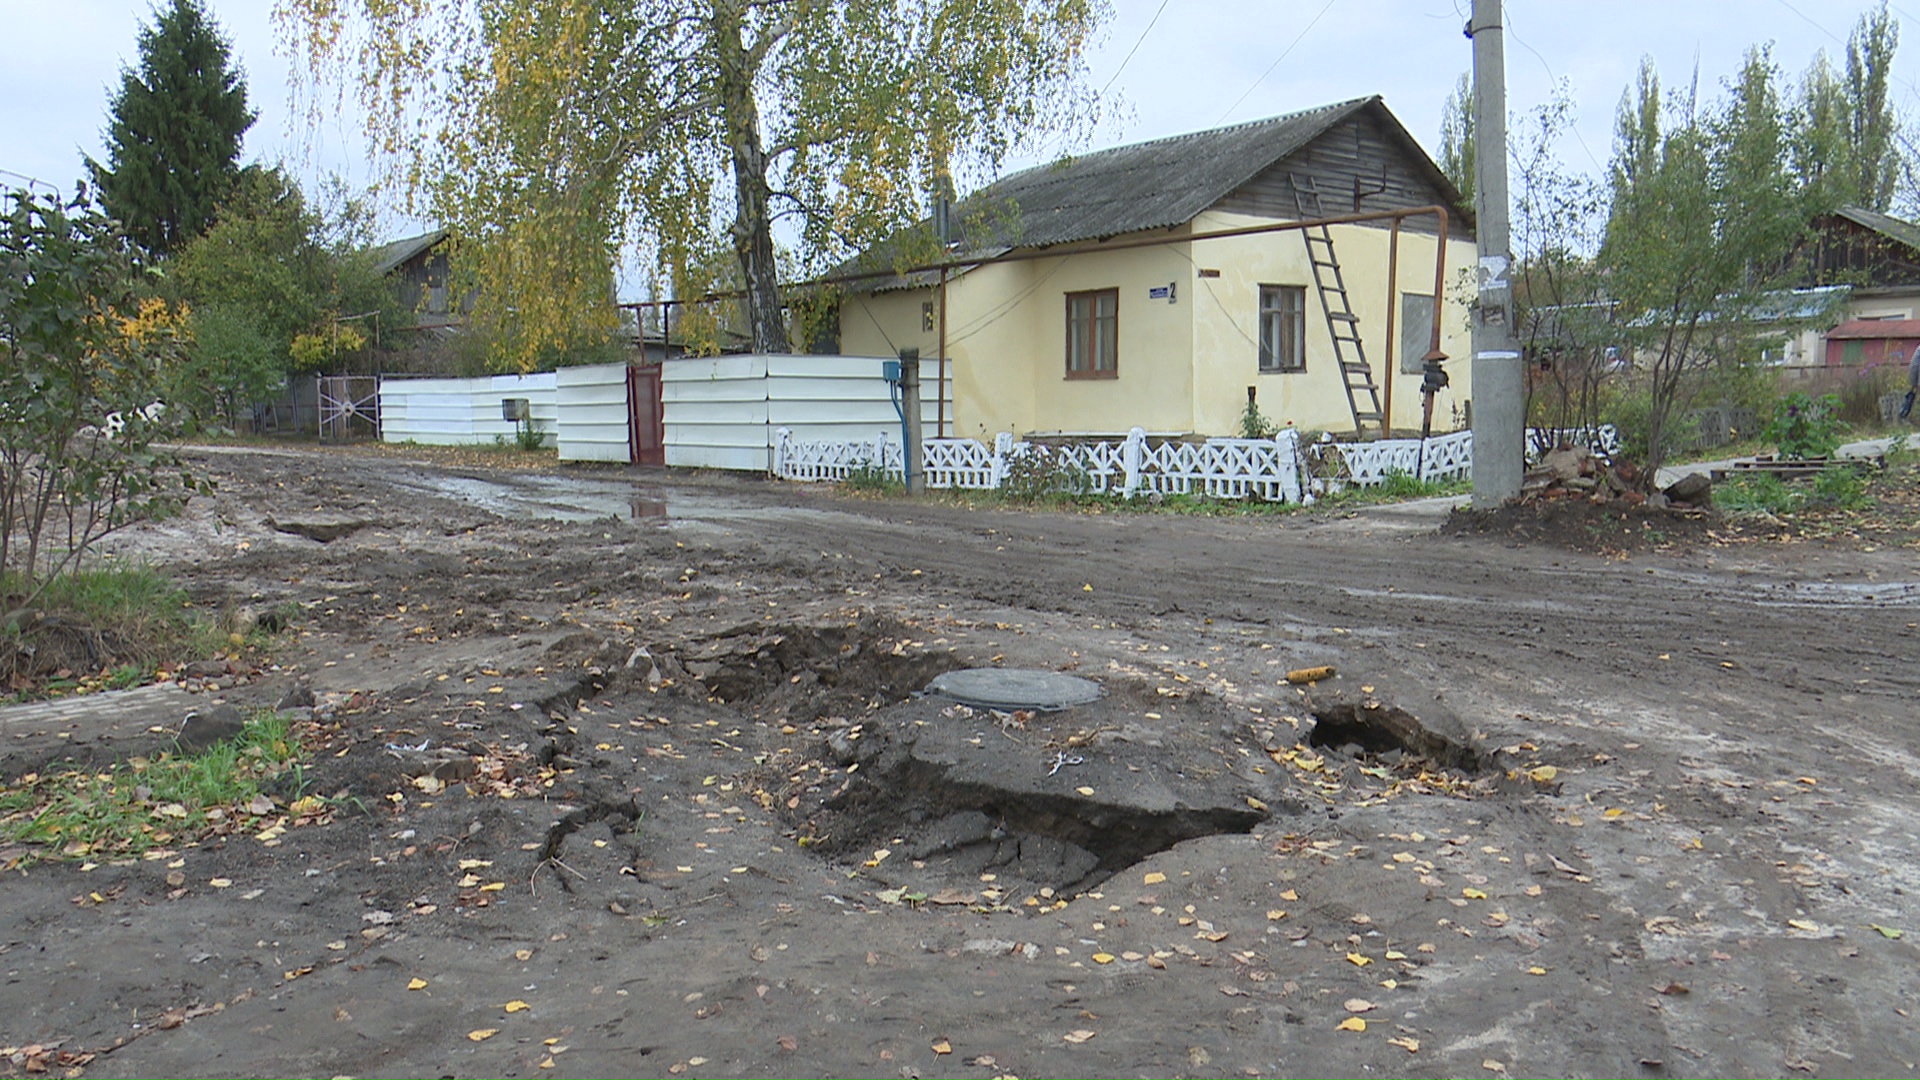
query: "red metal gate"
646, 430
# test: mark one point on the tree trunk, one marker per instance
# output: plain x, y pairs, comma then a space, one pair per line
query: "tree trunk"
753, 221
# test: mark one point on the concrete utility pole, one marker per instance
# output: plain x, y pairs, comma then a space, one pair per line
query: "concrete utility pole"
1499, 398
911, 468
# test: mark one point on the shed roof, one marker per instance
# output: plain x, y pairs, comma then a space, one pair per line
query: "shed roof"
390, 256
1876, 330
1893, 228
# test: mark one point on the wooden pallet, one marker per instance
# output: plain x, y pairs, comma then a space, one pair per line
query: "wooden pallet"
1796, 468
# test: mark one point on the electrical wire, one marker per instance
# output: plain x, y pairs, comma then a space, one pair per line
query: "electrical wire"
1554, 76
1136, 47
1276, 63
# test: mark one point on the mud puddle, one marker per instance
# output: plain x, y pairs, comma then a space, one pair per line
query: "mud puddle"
537, 496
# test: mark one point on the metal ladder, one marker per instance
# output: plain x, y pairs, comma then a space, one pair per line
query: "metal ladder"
1363, 397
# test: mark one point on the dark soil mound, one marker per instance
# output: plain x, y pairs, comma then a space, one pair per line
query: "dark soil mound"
1609, 528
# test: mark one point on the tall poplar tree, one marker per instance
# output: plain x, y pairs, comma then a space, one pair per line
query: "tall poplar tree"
174, 130
1457, 144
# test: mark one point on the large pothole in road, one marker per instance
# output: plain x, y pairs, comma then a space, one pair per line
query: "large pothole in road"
805, 672
956, 795
1369, 726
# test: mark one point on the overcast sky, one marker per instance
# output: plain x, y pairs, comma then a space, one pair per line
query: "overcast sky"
1203, 63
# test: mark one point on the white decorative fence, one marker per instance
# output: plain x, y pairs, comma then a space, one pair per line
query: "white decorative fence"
1274, 469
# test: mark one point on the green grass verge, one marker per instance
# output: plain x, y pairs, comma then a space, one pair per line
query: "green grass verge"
145, 621
146, 803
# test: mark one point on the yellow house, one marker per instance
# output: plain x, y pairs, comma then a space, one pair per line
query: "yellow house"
1143, 286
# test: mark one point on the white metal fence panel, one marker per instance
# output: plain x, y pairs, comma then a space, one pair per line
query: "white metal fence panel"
591, 414
452, 412
723, 412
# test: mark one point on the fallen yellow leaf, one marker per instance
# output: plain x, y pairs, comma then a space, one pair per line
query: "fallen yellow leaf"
1102, 958
221, 883
1289, 895
1275, 914
1395, 954
1079, 1036
416, 984
1351, 1023
494, 886
1154, 878
1359, 1005
1084, 790
474, 864
482, 1034
1358, 960
516, 1005
942, 1046
1473, 893
696, 1060
523, 954
1544, 774
1410, 1045
1803, 924
1536, 970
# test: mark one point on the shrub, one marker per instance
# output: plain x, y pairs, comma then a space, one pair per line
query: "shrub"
83, 359
1805, 427
1041, 472
873, 477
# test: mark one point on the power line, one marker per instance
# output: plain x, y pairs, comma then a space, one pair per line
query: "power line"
1136, 46
1808, 20
1554, 77
1275, 64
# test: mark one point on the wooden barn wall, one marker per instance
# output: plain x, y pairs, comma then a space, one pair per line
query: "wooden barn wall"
1357, 150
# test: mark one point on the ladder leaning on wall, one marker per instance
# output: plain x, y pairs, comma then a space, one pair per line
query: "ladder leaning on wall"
1363, 397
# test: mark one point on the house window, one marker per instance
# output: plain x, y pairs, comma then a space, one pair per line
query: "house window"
1093, 334
1416, 331
1283, 328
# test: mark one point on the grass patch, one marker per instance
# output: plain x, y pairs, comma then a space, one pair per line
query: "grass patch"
1836, 488
868, 478
110, 628
146, 803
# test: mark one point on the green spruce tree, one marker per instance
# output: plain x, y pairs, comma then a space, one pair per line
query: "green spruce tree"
174, 131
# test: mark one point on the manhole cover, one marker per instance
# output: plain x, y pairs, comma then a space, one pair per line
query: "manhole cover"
1014, 688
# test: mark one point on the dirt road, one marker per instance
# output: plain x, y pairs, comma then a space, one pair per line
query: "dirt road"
678, 812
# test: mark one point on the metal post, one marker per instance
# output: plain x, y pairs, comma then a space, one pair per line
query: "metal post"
910, 464
1392, 365
1499, 401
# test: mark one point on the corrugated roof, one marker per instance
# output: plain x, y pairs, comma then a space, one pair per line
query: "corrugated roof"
1158, 184
1893, 228
1149, 185
1876, 330
389, 256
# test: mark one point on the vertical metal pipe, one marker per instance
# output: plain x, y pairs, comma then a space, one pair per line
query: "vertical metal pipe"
1393, 295
940, 369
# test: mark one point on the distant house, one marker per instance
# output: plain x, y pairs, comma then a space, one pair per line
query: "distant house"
1876, 258
1098, 303
418, 267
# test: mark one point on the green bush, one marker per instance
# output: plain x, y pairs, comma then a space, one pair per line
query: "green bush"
1841, 487
1805, 427
1041, 473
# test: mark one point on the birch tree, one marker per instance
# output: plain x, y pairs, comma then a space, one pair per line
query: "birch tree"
557, 137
